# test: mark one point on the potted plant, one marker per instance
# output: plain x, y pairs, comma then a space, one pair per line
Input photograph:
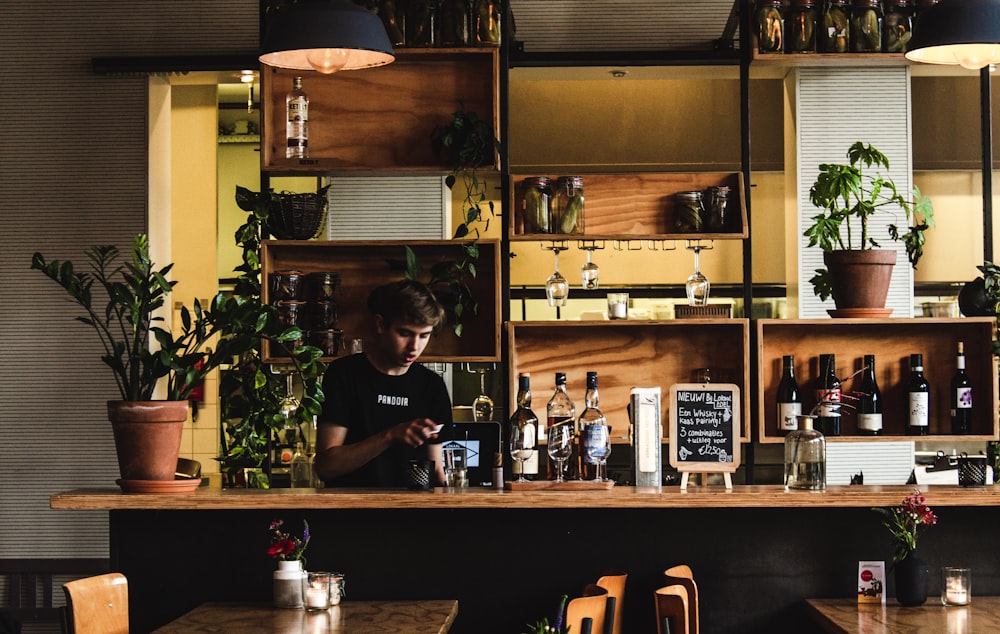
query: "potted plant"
467, 143
904, 523
848, 196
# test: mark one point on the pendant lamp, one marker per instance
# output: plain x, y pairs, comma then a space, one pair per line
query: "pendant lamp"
325, 37
964, 32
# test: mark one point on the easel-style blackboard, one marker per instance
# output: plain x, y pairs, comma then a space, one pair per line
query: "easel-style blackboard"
705, 429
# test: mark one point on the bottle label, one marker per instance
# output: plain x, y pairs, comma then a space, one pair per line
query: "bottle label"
828, 400
919, 409
963, 397
787, 413
298, 109
870, 422
595, 438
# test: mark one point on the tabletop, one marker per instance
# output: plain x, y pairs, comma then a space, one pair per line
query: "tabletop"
847, 616
356, 617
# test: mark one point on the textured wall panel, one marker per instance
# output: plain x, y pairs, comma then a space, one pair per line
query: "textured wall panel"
388, 208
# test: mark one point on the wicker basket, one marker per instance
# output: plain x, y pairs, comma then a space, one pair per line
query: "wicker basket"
296, 216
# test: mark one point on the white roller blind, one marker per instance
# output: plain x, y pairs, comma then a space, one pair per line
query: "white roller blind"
388, 208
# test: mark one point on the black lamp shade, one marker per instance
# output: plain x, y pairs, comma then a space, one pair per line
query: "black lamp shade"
325, 36
965, 32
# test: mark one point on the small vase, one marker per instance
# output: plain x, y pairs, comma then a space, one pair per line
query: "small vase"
289, 584
911, 576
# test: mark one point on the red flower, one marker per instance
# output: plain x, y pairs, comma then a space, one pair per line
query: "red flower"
281, 547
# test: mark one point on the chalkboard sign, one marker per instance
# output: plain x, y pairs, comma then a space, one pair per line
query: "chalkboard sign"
705, 427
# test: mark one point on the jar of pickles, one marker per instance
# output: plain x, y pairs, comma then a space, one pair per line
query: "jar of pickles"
897, 26
770, 26
866, 26
567, 205
690, 211
537, 204
717, 208
835, 28
800, 27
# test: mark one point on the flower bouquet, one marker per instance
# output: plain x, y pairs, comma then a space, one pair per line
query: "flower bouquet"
904, 523
290, 577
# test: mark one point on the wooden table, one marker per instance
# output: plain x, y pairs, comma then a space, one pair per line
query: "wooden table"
356, 617
846, 616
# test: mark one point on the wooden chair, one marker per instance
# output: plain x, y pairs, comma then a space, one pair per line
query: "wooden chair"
98, 605
672, 610
30, 585
614, 582
682, 575
585, 615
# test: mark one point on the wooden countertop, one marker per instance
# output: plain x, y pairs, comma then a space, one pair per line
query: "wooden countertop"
845, 616
761, 496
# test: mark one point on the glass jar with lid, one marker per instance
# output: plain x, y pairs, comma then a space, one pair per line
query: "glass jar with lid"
897, 25
537, 205
866, 26
800, 26
835, 28
716, 203
567, 205
690, 211
769, 20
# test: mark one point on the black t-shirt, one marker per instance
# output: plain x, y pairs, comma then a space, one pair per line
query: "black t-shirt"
366, 402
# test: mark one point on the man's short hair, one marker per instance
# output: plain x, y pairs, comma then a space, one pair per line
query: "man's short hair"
406, 301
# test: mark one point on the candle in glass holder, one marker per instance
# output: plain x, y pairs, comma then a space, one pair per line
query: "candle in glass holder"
318, 591
956, 586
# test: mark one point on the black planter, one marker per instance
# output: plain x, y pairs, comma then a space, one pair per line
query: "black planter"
911, 576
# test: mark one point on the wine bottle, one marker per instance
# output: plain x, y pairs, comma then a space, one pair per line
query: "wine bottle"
789, 400
593, 442
869, 401
827, 389
560, 410
297, 122
524, 415
918, 397
961, 396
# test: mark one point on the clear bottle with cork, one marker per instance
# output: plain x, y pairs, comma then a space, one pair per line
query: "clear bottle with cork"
805, 457
297, 121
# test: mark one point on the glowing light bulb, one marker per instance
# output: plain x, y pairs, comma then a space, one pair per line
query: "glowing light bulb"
328, 60
976, 56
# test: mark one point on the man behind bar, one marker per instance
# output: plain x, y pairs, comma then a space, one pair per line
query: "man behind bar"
382, 407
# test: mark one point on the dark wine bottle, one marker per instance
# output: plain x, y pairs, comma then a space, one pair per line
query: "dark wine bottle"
827, 389
918, 398
869, 401
789, 400
961, 396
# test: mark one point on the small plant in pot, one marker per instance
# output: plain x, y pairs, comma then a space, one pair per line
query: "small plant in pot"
849, 195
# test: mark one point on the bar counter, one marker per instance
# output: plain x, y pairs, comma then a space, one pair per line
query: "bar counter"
757, 552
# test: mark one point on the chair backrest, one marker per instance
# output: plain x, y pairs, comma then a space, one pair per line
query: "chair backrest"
98, 605
586, 613
672, 606
30, 586
682, 575
614, 582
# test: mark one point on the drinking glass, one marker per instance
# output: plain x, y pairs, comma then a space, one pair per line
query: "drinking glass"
482, 405
697, 284
289, 404
560, 447
590, 273
522, 443
597, 446
556, 287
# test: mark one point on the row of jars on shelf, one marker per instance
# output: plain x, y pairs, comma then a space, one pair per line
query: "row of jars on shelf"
445, 23
836, 26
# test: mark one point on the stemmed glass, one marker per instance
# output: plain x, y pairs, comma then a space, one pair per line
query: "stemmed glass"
523, 438
289, 404
560, 447
482, 405
556, 287
590, 272
697, 284
597, 446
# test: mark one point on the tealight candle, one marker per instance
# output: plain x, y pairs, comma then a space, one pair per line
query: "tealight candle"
318, 591
956, 586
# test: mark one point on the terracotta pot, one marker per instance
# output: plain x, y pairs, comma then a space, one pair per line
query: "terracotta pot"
147, 437
860, 279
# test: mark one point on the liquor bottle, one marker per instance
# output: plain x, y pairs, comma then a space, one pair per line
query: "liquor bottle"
918, 397
297, 122
828, 396
805, 458
301, 468
594, 434
961, 396
869, 401
526, 418
560, 410
789, 400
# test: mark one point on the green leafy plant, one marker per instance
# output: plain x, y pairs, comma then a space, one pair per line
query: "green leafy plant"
542, 626
904, 523
848, 196
448, 279
991, 288
467, 143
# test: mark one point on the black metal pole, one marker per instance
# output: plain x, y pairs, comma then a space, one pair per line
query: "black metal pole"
986, 123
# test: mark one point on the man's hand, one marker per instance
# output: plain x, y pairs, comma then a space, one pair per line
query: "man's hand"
414, 433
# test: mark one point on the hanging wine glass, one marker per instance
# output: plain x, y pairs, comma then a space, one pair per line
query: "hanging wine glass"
482, 405
289, 404
556, 287
697, 284
590, 273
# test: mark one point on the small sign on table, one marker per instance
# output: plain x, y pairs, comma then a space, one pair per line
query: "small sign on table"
705, 429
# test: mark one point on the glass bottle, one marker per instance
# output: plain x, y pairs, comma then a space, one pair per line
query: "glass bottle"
595, 435
567, 205
961, 395
805, 457
529, 422
537, 204
866, 26
828, 393
800, 27
419, 23
918, 398
453, 23
560, 410
297, 121
301, 468
770, 26
835, 28
788, 397
897, 26
869, 401
393, 16
486, 22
